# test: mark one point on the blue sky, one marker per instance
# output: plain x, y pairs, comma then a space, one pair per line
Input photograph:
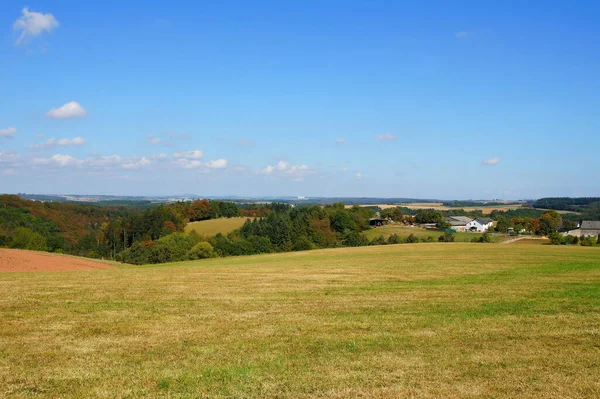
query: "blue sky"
324, 98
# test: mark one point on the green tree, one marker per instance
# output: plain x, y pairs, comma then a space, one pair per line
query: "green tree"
202, 250
24, 238
549, 222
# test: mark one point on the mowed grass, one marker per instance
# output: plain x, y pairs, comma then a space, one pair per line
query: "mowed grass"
212, 227
440, 320
404, 232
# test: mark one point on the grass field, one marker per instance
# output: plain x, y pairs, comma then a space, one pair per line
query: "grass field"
402, 231
420, 321
212, 227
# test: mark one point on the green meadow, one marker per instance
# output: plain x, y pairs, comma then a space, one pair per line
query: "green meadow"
440, 320
404, 232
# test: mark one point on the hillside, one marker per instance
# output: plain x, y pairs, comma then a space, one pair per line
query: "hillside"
424, 320
214, 226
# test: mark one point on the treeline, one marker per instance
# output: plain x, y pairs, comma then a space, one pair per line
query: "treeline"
52, 226
102, 231
284, 228
565, 203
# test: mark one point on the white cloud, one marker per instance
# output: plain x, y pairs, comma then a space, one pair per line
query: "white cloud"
64, 160
136, 163
8, 172
286, 169
8, 132
343, 170
53, 143
68, 111
358, 176
32, 24
461, 34
492, 161
385, 137
193, 154
217, 164
340, 140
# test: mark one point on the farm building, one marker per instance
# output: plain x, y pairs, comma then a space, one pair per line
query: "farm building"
590, 228
374, 222
458, 223
480, 224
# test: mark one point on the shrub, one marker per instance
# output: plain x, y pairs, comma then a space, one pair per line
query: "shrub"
302, 244
556, 238
485, 237
446, 237
378, 241
587, 241
394, 239
202, 250
411, 239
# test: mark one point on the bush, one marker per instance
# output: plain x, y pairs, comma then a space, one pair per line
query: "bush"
556, 238
302, 244
571, 240
202, 250
378, 241
485, 237
587, 241
446, 237
411, 239
394, 239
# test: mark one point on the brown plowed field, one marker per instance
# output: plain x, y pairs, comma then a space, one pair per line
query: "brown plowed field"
17, 260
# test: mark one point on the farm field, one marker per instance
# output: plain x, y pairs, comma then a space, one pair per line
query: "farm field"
403, 231
441, 207
436, 320
16, 260
212, 227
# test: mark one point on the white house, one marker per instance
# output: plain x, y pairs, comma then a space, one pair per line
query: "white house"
480, 224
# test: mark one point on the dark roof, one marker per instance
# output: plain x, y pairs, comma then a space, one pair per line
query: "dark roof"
458, 220
590, 225
484, 220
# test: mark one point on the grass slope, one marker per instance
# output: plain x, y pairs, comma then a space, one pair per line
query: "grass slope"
423, 320
214, 226
402, 231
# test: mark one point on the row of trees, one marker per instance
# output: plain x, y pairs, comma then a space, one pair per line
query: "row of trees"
558, 239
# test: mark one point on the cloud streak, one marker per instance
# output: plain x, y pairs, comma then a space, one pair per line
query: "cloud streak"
53, 143
385, 137
491, 161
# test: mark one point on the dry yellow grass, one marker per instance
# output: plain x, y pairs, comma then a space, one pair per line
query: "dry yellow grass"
441, 207
420, 321
214, 226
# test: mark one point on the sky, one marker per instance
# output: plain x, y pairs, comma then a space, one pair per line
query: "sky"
447, 100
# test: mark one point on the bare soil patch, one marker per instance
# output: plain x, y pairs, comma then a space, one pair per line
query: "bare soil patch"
17, 260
